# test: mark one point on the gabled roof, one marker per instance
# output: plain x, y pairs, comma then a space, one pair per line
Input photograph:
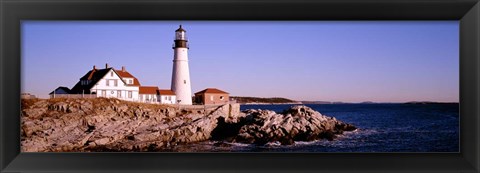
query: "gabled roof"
166, 92
95, 75
148, 90
62, 88
212, 91
123, 73
126, 74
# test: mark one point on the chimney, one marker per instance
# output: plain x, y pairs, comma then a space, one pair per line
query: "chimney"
123, 68
94, 67
106, 65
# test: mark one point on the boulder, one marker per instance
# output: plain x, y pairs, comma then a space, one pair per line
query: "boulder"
299, 123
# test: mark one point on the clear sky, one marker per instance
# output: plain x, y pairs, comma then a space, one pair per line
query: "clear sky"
350, 61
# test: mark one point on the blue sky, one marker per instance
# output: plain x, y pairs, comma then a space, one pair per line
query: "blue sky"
351, 61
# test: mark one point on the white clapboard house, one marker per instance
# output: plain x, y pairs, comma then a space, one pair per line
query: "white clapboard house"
112, 83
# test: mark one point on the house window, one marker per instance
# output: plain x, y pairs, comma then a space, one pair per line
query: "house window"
184, 81
119, 94
130, 94
111, 73
131, 81
141, 96
115, 82
146, 97
211, 98
108, 82
169, 98
104, 93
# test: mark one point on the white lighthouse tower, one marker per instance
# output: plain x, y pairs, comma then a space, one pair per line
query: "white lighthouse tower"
181, 74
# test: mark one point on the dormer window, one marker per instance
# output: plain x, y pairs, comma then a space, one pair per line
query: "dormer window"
84, 82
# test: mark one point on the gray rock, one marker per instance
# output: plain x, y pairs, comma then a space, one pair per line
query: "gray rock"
297, 123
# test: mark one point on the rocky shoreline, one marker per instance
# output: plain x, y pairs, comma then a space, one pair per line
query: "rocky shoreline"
262, 103
86, 125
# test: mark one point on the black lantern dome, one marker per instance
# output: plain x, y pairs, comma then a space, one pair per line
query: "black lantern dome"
180, 29
180, 38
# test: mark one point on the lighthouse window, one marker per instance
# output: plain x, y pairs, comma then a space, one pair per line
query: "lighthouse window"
184, 81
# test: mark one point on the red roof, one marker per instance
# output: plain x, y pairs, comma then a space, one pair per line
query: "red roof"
90, 76
123, 73
126, 74
212, 91
166, 92
148, 90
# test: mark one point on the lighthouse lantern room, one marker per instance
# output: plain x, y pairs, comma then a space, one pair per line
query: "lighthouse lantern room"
180, 38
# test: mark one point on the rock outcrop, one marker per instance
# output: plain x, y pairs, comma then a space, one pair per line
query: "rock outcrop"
299, 123
113, 125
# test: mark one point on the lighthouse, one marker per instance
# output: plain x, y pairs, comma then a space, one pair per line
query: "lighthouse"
181, 74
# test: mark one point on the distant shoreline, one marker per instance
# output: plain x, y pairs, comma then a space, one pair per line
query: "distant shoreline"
256, 103
285, 101
333, 103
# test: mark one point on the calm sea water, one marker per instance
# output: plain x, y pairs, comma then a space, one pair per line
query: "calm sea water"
382, 128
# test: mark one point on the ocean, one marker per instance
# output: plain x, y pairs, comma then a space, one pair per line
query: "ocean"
381, 128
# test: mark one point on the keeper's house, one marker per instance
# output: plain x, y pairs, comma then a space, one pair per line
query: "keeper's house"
112, 83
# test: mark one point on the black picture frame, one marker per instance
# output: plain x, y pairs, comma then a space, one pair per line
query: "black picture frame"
14, 11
